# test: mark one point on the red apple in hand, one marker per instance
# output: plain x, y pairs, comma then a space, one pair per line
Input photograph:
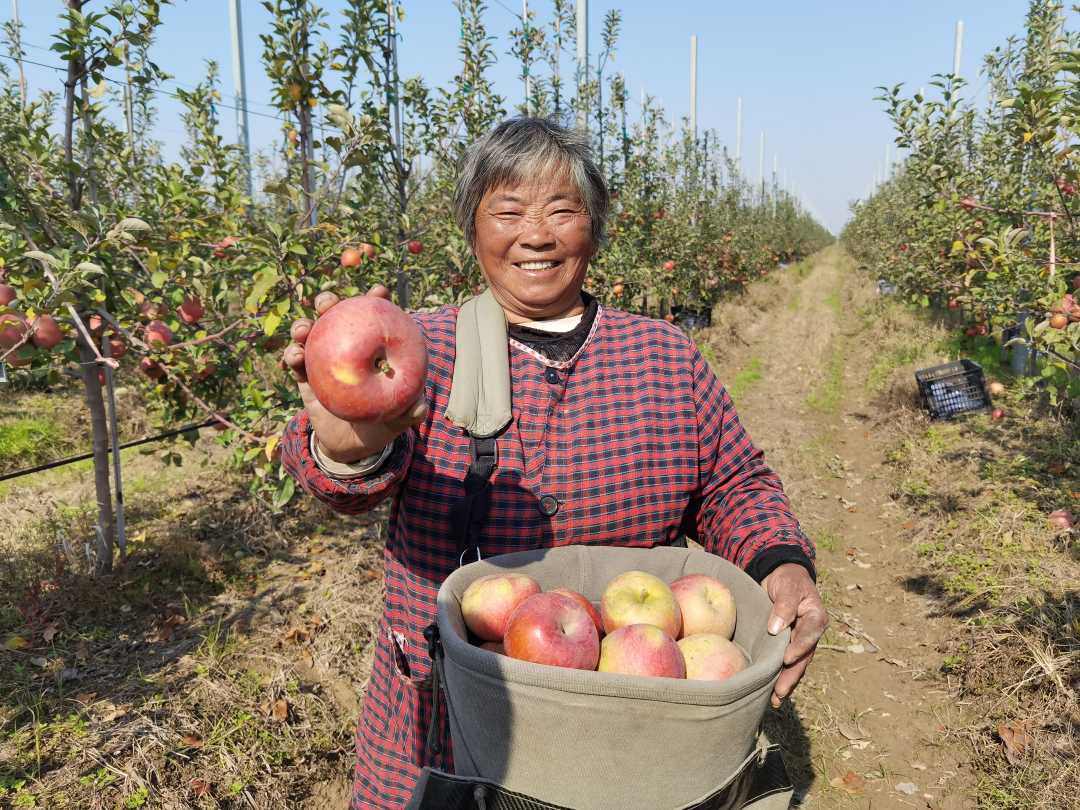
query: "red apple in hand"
493, 646
711, 657
366, 360
594, 614
706, 604
488, 602
552, 629
637, 597
641, 649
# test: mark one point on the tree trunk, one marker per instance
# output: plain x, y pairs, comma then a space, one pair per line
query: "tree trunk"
105, 526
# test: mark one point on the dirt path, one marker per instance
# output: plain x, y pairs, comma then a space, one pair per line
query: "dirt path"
874, 712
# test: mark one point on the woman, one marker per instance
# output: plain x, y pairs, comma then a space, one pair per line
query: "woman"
592, 426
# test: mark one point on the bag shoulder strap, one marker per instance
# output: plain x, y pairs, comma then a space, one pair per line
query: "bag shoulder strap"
467, 516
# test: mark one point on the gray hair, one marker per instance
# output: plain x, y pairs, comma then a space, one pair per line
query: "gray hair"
521, 148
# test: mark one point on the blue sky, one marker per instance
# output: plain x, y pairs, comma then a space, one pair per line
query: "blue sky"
806, 70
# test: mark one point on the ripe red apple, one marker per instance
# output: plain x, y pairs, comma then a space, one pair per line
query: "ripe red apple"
711, 657
706, 604
151, 368
638, 597
415, 246
1059, 321
45, 332
669, 318
7, 294
191, 311
152, 310
641, 649
552, 629
12, 329
369, 250
488, 602
351, 257
206, 371
494, 646
669, 265
158, 334
366, 359
1061, 519
117, 347
953, 304
594, 614
996, 389
997, 414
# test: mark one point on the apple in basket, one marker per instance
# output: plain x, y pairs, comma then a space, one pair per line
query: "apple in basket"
637, 597
552, 629
706, 604
711, 657
488, 602
585, 603
641, 649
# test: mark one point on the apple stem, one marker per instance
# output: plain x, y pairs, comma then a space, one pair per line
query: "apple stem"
383, 365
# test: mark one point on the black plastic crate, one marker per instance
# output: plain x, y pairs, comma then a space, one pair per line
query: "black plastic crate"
692, 318
953, 388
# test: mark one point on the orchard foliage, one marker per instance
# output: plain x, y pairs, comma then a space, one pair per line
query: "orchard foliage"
172, 273
982, 216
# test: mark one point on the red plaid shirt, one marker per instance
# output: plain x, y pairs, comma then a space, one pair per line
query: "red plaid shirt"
637, 441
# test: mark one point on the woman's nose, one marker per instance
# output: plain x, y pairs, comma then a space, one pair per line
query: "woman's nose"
536, 233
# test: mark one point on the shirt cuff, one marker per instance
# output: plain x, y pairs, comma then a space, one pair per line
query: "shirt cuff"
772, 557
342, 471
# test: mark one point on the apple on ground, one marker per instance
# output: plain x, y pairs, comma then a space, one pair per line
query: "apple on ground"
711, 657
669, 265
996, 388
641, 649
366, 360
706, 604
552, 629
638, 597
1061, 519
997, 414
594, 614
488, 602
45, 332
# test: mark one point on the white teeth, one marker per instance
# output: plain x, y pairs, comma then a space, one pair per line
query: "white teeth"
536, 265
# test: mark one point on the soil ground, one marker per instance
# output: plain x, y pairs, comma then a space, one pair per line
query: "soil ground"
224, 666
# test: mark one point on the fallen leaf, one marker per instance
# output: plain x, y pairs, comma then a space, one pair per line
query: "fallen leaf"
85, 697
40, 661
108, 711
856, 648
918, 766
308, 659
907, 788
850, 730
16, 643
175, 619
200, 787
297, 635
280, 712
191, 741
1016, 739
850, 782
125, 608
908, 524
49, 633
896, 662
82, 651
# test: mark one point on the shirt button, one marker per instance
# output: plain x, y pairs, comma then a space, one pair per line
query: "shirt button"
552, 376
549, 505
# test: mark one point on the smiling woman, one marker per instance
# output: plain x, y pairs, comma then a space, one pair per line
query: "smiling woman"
610, 428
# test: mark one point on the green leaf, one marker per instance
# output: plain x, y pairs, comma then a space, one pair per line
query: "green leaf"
265, 279
271, 322
89, 268
158, 279
43, 257
284, 493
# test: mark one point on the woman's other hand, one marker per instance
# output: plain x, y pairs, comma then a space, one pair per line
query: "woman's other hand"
338, 439
796, 604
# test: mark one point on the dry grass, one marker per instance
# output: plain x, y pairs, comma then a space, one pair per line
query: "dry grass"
979, 493
222, 667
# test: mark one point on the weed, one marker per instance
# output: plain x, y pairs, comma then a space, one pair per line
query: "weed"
745, 378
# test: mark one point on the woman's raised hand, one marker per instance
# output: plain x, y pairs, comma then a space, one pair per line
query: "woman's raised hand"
338, 439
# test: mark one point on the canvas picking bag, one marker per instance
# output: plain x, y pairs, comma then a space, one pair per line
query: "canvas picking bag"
530, 736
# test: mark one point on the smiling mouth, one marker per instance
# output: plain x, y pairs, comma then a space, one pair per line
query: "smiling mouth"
546, 265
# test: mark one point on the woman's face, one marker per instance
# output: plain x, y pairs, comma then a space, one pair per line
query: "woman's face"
534, 242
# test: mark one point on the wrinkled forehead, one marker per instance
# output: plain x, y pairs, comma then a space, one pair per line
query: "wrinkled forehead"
539, 177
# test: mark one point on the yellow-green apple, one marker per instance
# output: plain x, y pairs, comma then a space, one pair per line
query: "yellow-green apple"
366, 360
552, 629
637, 597
488, 602
706, 604
711, 657
641, 649
594, 614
